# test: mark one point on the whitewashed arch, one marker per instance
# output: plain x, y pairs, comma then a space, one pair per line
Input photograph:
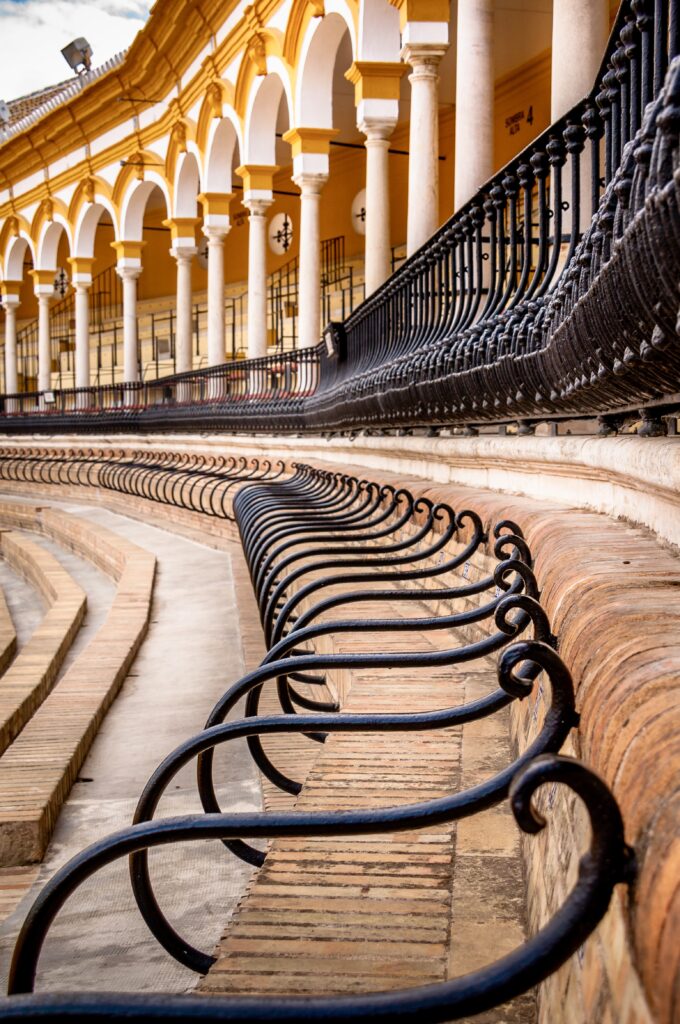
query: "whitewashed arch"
314, 88
134, 205
48, 243
224, 139
262, 111
86, 226
379, 36
187, 186
15, 255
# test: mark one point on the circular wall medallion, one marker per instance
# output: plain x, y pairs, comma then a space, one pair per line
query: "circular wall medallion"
359, 212
280, 233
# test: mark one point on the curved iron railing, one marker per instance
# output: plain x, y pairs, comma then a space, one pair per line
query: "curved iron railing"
551, 294
303, 533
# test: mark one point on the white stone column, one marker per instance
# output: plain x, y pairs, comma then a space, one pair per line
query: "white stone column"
309, 289
579, 32
129, 277
11, 304
44, 340
83, 333
257, 276
216, 350
423, 164
183, 325
474, 98
378, 264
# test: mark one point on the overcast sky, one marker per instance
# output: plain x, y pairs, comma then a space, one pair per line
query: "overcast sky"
32, 32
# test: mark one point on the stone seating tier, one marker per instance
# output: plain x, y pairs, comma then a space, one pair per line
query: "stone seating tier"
42, 763
611, 593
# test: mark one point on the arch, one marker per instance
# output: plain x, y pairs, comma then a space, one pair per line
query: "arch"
15, 229
262, 112
224, 139
86, 228
15, 255
217, 101
314, 86
133, 203
182, 140
90, 201
141, 167
187, 186
379, 35
49, 221
48, 240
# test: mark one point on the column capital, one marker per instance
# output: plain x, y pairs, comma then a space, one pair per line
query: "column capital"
421, 11
183, 253
375, 80
424, 58
258, 206
10, 291
309, 140
81, 268
376, 130
182, 230
215, 235
128, 253
310, 182
43, 283
128, 273
258, 181
82, 285
216, 206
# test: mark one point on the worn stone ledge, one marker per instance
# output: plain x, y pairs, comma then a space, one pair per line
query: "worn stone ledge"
627, 477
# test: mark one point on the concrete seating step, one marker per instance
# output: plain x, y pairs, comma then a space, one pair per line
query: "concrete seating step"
8, 636
33, 672
39, 768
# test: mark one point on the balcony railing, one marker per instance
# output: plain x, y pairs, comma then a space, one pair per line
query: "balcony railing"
551, 295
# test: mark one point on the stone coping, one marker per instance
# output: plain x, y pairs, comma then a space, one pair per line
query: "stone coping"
633, 478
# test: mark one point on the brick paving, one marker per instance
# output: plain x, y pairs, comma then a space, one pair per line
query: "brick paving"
378, 913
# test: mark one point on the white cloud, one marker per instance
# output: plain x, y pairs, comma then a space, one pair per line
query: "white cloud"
32, 33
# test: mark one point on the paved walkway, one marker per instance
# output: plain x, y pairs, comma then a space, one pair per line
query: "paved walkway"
191, 653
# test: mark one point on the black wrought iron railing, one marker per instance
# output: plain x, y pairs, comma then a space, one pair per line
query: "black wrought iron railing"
551, 295
238, 390
327, 540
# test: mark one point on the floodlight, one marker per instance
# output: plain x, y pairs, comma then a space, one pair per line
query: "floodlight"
78, 55
5, 115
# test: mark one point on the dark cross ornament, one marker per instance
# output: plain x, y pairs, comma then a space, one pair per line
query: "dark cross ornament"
361, 215
61, 282
284, 236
